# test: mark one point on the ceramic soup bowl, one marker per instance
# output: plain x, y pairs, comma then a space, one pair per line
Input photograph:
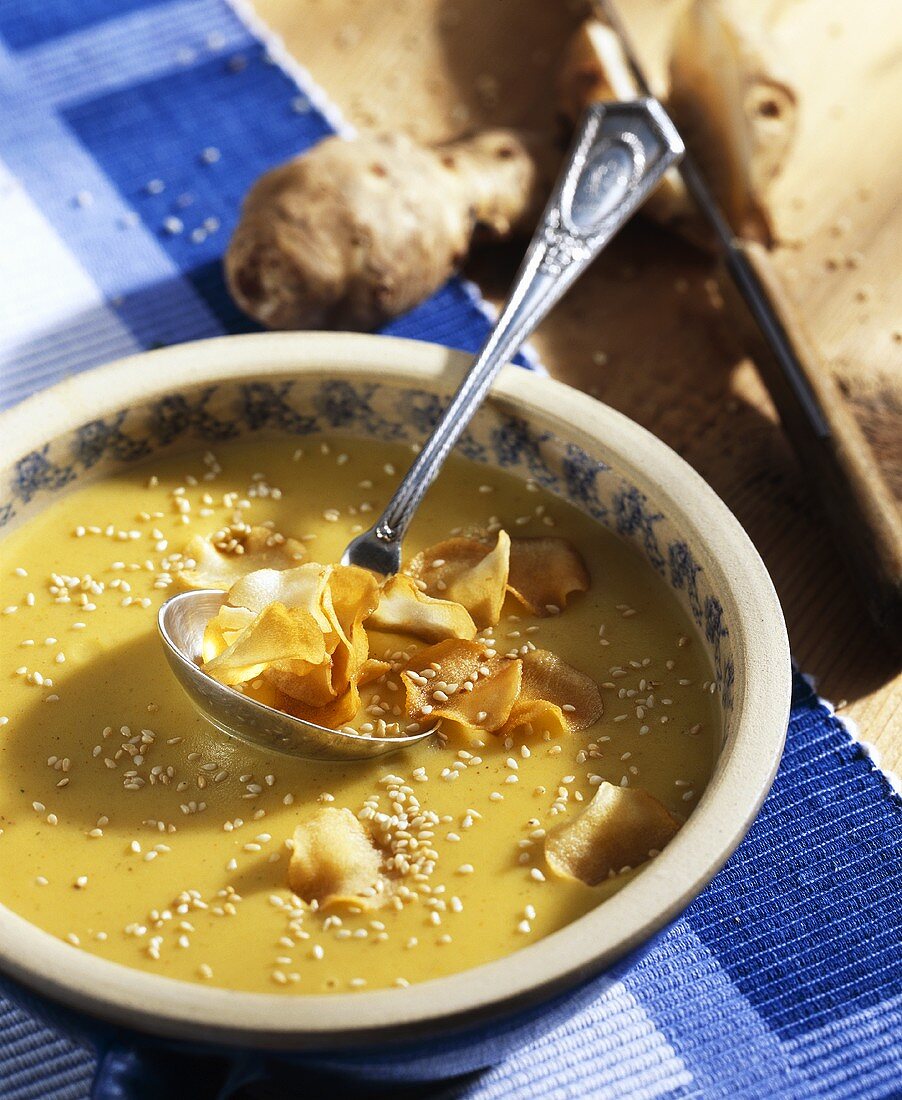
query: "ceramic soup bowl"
264, 386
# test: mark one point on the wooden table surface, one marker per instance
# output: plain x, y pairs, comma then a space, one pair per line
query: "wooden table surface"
645, 330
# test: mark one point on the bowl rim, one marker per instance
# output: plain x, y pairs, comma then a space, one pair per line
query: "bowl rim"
653, 899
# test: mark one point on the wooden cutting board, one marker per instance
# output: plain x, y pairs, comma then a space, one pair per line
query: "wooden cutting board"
646, 330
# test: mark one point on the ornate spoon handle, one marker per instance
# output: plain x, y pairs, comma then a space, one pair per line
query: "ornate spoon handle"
618, 156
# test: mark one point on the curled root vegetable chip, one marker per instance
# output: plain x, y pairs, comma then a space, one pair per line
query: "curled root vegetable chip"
371, 670
458, 681
333, 860
543, 573
354, 593
466, 571
223, 629
621, 828
338, 711
312, 686
536, 716
303, 586
549, 680
218, 564
404, 609
351, 597
314, 681
324, 684
276, 634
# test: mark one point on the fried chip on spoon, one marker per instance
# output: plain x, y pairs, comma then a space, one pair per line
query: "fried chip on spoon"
223, 629
543, 572
276, 634
352, 596
404, 609
346, 596
333, 860
621, 828
311, 685
437, 678
323, 685
219, 565
298, 587
336, 712
213, 642
232, 620
466, 571
371, 670
303, 586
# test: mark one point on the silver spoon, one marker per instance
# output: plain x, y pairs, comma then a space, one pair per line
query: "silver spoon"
619, 155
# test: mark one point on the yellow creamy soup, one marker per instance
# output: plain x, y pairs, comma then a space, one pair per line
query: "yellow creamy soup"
133, 830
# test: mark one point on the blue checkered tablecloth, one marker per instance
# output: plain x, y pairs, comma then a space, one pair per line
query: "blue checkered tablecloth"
129, 131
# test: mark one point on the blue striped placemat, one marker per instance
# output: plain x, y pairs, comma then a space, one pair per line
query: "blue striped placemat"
129, 131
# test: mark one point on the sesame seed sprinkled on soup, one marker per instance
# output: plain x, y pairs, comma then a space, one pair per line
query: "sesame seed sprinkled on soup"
578, 723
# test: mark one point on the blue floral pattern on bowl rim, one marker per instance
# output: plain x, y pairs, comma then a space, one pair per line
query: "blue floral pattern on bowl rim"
302, 406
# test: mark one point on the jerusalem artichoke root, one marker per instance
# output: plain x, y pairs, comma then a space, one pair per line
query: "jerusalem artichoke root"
353, 233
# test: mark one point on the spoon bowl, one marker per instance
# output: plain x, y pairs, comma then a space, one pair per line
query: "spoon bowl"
181, 622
